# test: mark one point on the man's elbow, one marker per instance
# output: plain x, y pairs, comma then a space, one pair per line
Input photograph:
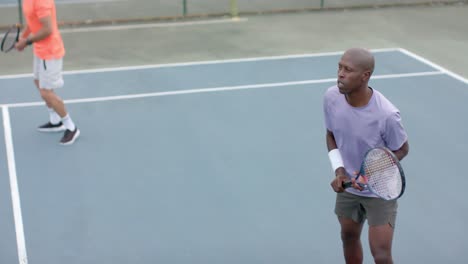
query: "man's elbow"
406, 148
48, 31
403, 151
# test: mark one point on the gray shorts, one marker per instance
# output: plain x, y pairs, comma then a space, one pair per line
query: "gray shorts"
48, 73
359, 208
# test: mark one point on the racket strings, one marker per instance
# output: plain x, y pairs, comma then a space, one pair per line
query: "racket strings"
383, 174
9, 40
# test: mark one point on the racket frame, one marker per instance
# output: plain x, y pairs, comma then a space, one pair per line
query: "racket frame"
363, 173
12, 30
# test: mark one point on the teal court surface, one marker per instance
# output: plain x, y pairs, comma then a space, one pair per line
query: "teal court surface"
220, 162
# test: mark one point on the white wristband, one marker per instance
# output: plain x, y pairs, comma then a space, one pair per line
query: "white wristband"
335, 159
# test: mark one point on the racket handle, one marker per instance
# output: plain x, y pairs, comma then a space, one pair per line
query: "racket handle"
347, 184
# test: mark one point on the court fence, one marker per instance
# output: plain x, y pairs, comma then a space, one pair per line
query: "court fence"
96, 12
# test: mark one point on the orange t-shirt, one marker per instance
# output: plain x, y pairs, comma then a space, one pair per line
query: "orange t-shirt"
52, 46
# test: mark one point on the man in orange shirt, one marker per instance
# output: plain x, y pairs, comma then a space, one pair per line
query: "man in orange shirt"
41, 30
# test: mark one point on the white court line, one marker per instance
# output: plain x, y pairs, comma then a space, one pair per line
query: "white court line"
15, 197
217, 89
438, 67
194, 63
153, 25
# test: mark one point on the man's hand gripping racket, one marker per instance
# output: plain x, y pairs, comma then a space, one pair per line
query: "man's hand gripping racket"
381, 173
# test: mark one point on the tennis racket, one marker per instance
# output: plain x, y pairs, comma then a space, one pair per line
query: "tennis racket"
381, 173
10, 38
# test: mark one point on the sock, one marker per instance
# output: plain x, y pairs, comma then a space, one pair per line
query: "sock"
68, 123
53, 116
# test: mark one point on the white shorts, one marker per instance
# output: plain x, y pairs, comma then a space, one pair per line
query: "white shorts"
48, 72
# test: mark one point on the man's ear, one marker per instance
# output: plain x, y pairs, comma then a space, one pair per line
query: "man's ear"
366, 75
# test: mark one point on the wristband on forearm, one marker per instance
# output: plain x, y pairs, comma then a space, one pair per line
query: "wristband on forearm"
28, 41
335, 159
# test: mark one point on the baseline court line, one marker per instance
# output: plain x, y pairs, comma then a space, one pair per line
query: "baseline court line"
193, 63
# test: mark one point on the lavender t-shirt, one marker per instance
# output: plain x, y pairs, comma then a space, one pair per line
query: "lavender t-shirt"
358, 129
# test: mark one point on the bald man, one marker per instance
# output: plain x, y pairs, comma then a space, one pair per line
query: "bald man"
358, 118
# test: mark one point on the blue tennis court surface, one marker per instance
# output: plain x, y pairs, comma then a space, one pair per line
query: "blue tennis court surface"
219, 162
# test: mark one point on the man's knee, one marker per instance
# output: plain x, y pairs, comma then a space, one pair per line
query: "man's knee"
350, 230
382, 257
350, 236
44, 92
47, 95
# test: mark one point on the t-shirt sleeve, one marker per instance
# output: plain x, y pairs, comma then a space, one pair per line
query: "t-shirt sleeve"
44, 8
394, 135
326, 114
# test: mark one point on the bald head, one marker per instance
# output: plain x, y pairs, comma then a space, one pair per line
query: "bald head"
361, 58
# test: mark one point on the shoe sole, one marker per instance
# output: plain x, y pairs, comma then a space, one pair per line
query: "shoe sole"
73, 140
48, 130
